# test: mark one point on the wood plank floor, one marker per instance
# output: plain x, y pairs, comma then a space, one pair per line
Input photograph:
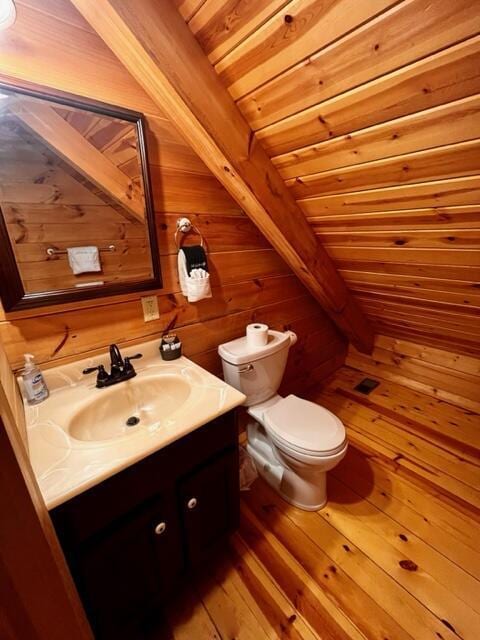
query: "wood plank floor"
393, 556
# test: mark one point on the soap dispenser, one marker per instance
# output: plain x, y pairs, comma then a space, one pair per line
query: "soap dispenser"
36, 390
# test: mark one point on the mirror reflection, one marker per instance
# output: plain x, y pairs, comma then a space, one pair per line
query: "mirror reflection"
72, 195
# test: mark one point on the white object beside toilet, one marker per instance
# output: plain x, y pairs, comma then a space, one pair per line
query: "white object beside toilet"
293, 442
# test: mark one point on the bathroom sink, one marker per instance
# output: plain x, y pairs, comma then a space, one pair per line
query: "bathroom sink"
81, 435
136, 405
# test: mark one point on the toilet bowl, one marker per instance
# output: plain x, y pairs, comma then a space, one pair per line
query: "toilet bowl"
292, 441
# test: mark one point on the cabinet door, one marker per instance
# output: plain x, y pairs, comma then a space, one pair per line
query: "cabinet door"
209, 504
130, 564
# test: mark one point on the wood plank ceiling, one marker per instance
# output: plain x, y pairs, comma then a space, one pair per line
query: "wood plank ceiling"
158, 49
370, 111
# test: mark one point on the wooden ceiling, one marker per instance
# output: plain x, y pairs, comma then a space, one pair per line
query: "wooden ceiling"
370, 112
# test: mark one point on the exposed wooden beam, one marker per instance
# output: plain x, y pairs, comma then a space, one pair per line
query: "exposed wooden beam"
156, 46
59, 135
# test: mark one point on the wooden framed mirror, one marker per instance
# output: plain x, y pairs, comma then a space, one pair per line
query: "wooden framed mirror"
76, 211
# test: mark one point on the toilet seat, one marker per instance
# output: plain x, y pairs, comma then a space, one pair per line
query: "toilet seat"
304, 427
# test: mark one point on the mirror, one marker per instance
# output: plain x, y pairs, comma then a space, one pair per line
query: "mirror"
76, 215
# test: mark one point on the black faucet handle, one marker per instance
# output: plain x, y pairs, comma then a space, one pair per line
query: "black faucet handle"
89, 370
128, 367
92, 369
102, 375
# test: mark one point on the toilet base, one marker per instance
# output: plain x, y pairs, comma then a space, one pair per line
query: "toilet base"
303, 507
295, 489
303, 494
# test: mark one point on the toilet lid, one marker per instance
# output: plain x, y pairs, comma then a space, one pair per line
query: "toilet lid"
305, 426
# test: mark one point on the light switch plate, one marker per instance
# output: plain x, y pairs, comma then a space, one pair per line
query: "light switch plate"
150, 308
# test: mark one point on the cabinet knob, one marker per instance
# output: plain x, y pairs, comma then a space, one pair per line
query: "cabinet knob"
160, 528
192, 503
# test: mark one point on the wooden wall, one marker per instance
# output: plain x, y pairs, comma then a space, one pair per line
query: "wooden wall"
442, 374
12, 403
37, 595
51, 45
370, 111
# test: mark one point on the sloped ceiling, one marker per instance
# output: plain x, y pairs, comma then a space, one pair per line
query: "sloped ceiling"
158, 49
370, 111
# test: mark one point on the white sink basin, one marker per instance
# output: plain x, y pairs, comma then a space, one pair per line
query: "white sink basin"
79, 436
145, 403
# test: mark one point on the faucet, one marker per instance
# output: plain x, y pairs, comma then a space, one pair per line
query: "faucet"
120, 369
116, 361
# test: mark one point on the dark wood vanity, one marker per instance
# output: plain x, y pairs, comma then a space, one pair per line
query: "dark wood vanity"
130, 539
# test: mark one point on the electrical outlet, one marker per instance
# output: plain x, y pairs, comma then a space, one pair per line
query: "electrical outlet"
150, 308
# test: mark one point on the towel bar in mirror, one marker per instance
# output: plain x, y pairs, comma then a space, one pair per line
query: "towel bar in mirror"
73, 174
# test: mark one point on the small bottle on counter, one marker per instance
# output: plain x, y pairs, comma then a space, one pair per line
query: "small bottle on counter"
36, 389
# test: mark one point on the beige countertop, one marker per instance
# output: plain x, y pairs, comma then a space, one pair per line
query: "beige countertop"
65, 466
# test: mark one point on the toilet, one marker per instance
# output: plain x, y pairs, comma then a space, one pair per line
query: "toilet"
293, 442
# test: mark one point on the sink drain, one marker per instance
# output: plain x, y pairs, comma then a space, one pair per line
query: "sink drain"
132, 421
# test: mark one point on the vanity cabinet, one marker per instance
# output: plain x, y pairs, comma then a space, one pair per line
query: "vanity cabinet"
130, 539
206, 505
127, 566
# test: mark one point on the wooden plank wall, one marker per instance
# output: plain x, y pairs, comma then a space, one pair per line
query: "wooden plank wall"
12, 400
39, 600
442, 374
370, 111
51, 45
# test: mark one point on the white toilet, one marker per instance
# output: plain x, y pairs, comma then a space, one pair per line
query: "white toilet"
293, 442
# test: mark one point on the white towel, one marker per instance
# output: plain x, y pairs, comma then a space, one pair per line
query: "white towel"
84, 259
182, 273
198, 285
195, 286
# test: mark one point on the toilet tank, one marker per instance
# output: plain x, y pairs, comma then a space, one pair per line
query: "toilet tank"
256, 371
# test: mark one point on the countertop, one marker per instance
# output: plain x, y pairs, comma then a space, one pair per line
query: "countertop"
66, 466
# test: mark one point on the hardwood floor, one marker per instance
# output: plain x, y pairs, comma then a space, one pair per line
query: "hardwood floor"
394, 555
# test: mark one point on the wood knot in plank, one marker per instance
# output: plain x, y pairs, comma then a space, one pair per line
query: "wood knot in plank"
62, 342
408, 565
448, 625
268, 508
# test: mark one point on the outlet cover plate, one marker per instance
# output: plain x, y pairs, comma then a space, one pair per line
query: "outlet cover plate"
150, 308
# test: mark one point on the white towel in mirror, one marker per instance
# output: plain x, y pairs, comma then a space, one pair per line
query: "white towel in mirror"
84, 259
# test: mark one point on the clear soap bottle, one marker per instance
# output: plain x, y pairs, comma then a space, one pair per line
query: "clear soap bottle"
36, 389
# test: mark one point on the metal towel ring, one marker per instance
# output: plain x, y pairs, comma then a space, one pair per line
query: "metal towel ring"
184, 226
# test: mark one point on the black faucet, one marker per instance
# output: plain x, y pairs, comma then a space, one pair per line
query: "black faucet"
116, 361
120, 369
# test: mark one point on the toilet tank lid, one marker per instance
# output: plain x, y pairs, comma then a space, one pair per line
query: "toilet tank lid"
239, 352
